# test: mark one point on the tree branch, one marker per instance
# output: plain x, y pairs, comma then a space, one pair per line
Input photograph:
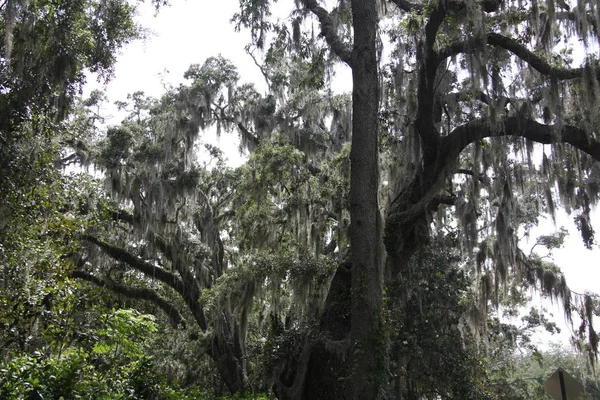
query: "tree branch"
189, 295
536, 62
407, 6
471, 173
479, 95
328, 31
184, 272
527, 128
175, 317
448, 200
518, 49
487, 5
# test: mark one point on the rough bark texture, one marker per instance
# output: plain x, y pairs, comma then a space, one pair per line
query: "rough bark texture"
368, 369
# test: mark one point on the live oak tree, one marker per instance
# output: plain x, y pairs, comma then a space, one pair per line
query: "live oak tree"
455, 131
461, 87
45, 51
205, 244
448, 99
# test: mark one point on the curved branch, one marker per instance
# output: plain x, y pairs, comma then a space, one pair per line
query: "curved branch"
460, 47
535, 61
328, 31
518, 49
487, 5
449, 200
527, 128
186, 291
175, 317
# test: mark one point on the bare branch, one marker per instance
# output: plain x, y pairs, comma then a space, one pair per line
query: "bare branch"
260, 67
328, 31
135, 293
527, 128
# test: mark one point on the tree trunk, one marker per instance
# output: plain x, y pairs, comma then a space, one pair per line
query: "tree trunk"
228, 364
346, 359
368, 344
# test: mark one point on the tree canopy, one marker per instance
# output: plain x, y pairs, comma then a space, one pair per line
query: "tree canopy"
371, 246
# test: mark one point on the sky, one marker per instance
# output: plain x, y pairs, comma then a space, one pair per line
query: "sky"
187, 32
184, 33
190, 31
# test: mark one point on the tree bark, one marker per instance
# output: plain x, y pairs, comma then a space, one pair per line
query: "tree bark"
368, 344
346, 358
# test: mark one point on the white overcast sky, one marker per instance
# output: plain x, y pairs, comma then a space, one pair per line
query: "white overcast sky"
189, 31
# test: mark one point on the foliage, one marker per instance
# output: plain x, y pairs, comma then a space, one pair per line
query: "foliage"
112, 366
433, 352
432, 157
523, 375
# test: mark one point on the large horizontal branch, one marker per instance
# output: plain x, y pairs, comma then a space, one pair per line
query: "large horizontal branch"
472, 173
175, 317
518, 49
189, 295
518, 126
166, 249
487, 5
328, 31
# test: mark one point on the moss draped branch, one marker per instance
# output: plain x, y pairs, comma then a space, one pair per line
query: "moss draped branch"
487, 5
519, 126
184, 272
328, 31
419, 197
175, 317
185, 290
518, 49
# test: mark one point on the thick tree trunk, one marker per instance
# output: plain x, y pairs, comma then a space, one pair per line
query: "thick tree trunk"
322, 369
345, 360
228, 364
368, 369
